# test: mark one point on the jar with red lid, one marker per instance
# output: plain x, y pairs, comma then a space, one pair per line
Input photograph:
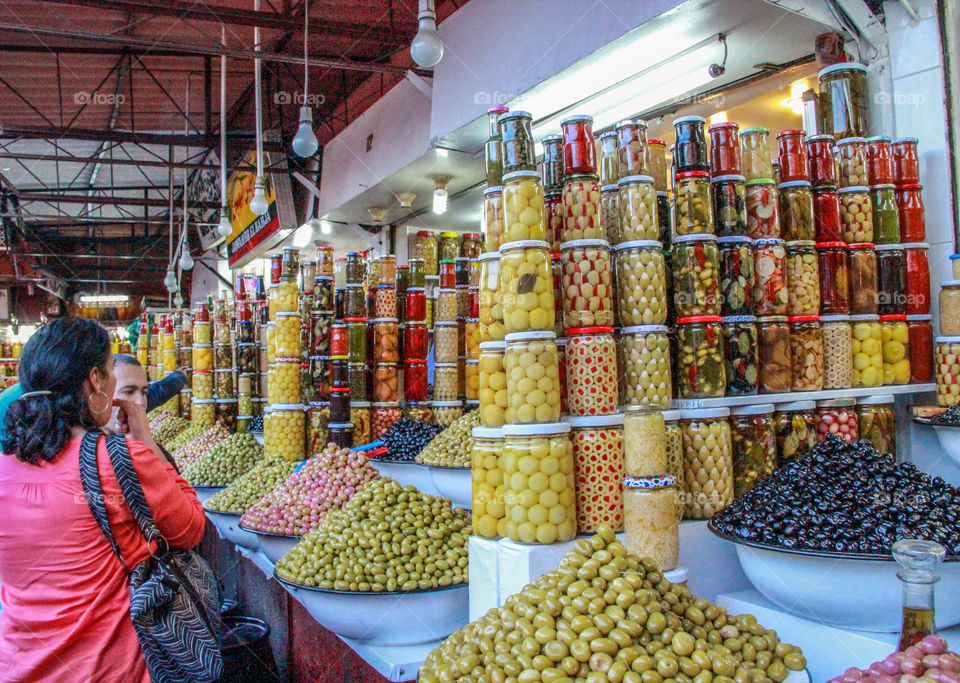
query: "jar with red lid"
415, 380
591, 359
795, 202
724, 148
863, 279
851, 154
700, 371
910, 213
415, 305
920, 330
339, 340
581, 208
632, 147
552, 217
891, 280
770, 293
657, 167
276, 268
834, 263
728, 194
448, 274
579, 150
690, 149
826, 214
692, 207
823, 169
906, 163
792, 156
760, 198
917, 285
879, 160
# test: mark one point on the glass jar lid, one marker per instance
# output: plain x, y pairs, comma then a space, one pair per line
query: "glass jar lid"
536, 429
588, 421
573, 244
875, 400
650, 483
755, 409
635, 244
529, 334
796, 406
635, 179
703, 413
489, 433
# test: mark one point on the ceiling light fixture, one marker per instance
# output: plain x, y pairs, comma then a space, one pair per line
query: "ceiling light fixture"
302, 236
326, 228
406, 199
104, 298
427, 48
258, 205
795, 101
305, 143
377, 213
440, 193
224, 228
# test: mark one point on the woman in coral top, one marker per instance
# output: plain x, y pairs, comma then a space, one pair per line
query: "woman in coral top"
64, 593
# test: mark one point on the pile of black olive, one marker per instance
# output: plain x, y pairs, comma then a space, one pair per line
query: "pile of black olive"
406, 438
256, 424
845, 498
950, 417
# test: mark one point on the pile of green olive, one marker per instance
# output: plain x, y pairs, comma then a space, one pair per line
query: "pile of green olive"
169, 429
387, 538
452, 446
604, 615
233, 457
246, 490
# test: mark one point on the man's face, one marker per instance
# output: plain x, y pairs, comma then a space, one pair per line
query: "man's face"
131, 384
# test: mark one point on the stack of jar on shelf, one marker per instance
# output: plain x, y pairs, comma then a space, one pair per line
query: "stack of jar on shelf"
948, 345
183, 329
214, 374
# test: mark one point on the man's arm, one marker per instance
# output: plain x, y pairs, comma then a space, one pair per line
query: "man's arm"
162, 391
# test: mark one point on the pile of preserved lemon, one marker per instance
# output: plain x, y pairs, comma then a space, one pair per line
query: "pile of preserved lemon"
604, 615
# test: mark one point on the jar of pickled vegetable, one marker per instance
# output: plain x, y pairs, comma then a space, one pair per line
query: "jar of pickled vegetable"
449, 243
586, 283
754, 445
879, 161
414, 341
357, 332
638, 209
610, 215
657, 168
532, 378
674, 445
692, 208
202, 357
581, 208
906, 163
385, 302
921, 348
356, 268
851, 154
664, 218
863, 279
579, 151
867, 347
556, 269
598, 463
770, 293
724, 148
223, 379
795, 424
284, 432
837, 416
891, 285
551, 170
826, 214
471, 380
896, 349
632, 147
834, 265
877, 423
728, 194
707, 461
358, 376
609, 158
491, 309
492, 221
283, 381
774, 354
760, 198
886, 219
526, 286
796, 210
690, 150
415, 380
755, 157
644, 441
652, 523
493, 385
949, 300
591, 361
736, 275
354, 302
445, 338
643, 365
202, 384
203, 411
917, 284
740, 354
947, 361
382, 417
696, 265
534, 455
445, 413
837, 352
516, 142
553, 216
488, 485
803, 278
793, 163
844, 100
523, 207
471, 246
856, 214
447, 306
472, 338
699, 358
361, 418
806, 352
910, 213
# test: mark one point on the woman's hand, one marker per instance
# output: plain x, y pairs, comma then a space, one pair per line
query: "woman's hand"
131, 419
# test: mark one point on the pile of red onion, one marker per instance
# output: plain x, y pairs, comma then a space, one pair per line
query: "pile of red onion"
926, 662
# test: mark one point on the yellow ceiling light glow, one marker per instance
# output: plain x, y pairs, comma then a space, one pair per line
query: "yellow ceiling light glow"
795, 101
719, 117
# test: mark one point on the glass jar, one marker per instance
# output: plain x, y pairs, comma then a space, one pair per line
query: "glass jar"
202, 384
760, 198
664, 218
728, 194
856, 214
579, 150
287, 335
696, 277
610, 214
471, 245
917, 284
740, 354
837, 352
386, 385
877, 423
823, 169
834, 265
692, 207
770, 292
651, 519
354, 302
488, 488
634, 156
415, 305
324, 261
891, 288
385, 302
449, 244
533, 455
223, 356
203, 411
896, 349
674, 444
844, 99
523, 207
223, 379
358, 376
471, 336
867, 348
382, 417
837, 416
202, 334
690, 149
284, 433
949, 300
319, 369
755, 157
586, 283
598, 450
879, 161
341, 434
707, 461
736, 275
493, 157
910, 213
202, 357
886, 219
699, 359
445, 413
283, 382
796, 210
445, 382
947, 362
386, 340
493, 219
795, 425
360, 418
445, 342
906, 162
658, 163
774, 354
551, 170
516, 142
222, 334
581, 208
526, 286
591, 364
471, 380
826, 214
921, 348
803, 278
643, 366
851, 155
609, 158
754, 445
491, 309
356, 268
416, 275
793, 165
863, 279
724, 148
447, 306
806, 353
493, 384
415, 380
638, 209
357, 332
553, 217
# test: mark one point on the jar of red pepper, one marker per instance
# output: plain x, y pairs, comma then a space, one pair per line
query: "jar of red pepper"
910, 212
793, 156
879, 160
415, 305
690, 150
724, 148
906, 163
579, 148
339, 341
823, 170
826, 214
415, 380
415, 340
834, 263
921, 348
276, 268
448, 274
917, 284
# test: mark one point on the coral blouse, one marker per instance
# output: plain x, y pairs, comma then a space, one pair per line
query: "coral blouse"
65, 596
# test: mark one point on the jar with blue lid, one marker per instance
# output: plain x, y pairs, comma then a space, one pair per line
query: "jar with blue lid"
651, 522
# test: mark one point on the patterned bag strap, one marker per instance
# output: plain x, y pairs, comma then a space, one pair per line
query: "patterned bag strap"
130, 486
92, 491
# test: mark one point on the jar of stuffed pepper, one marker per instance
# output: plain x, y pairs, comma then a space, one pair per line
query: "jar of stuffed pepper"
770, 293
877, 423
692, 206
947, 362
863, 279
643, 366
591, 360
906, 162
754, 443
488, 485
823, 170
690, 149
856, 214
803, 278
658, 163
728, 194
609, 155
523, 207
598, 447
579, 148
837, 416
834, 265
837, 352
921, 348
755, 157
516, 142
867, 348
581, 208
736, 275
526, 286
610, 213
415, 305
844, 99
740, 354
586, 283
796, 210
917, 284
896, 349
638, 209
851, 154
826, 214
795, 424
724, 148
806, 352
792, 156
891, 285
774, 354
707, 461
760, 198
632, 147
699, 359
696, 265
551, 171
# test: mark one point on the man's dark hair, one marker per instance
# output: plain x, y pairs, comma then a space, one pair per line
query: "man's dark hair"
126, 359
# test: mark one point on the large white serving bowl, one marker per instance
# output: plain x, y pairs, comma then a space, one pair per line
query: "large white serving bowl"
406, 473
205, 493
402, 618
949, 438
228, 524
855, 592
274, 546
454, 483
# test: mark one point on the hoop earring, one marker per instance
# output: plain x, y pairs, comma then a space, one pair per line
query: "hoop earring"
106, 408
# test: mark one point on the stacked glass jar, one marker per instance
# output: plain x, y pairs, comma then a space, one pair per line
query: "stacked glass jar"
203, 410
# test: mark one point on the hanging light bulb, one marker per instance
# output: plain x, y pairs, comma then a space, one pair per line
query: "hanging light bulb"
440, 193
186, 260
305, 143
259, 204
427, 48
178, 300
225, 227
170, 280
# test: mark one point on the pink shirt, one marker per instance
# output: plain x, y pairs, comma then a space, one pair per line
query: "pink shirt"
65, 596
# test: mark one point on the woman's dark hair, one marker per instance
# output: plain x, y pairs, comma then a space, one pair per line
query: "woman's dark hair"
57, 358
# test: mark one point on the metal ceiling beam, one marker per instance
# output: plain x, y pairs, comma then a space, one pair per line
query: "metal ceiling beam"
146, 163
164, 139
112, 257
105, 201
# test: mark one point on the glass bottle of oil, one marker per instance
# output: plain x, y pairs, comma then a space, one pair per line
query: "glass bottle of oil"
920, 560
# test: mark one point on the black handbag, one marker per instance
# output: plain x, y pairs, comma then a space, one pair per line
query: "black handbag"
174, 596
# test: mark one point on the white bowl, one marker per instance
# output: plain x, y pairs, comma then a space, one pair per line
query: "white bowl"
409, 618
274, 546
454, 483
949, 438
205, 493
406, 473
228, 524
258, 436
